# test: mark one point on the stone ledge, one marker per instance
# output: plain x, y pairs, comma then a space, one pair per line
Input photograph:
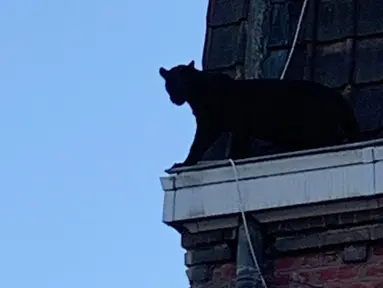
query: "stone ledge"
355, 253
328, 221
195, 240
328, 177
218, 253
329, 238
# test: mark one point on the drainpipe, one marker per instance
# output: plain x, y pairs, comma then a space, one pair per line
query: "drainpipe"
248, 276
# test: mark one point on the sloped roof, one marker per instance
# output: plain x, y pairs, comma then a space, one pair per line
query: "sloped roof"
340, 45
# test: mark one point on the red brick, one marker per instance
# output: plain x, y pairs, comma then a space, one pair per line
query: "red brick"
321, 259
358, 285
333, 285
285, 263
378, 249
376, 270
349, 285
228, 271
225, 272
302, 277
290, 278
281, 279
338, 273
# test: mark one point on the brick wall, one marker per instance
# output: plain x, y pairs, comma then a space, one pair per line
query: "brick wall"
341, 45
332, 251
210, 257
356, 266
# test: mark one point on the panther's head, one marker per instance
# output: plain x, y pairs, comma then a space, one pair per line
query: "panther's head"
178, 81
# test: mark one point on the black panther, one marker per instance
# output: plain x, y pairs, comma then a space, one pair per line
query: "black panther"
291, 114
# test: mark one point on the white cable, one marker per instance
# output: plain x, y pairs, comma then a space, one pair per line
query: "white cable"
242, 209
295, 38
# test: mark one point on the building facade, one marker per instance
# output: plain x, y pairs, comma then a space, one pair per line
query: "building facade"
315, 218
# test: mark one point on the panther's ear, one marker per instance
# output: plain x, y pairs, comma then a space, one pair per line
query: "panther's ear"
163, 72
191, 64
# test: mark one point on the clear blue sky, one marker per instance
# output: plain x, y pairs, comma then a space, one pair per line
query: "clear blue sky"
86, 131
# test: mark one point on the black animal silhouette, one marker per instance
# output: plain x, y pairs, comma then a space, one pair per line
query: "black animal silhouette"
291, 114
